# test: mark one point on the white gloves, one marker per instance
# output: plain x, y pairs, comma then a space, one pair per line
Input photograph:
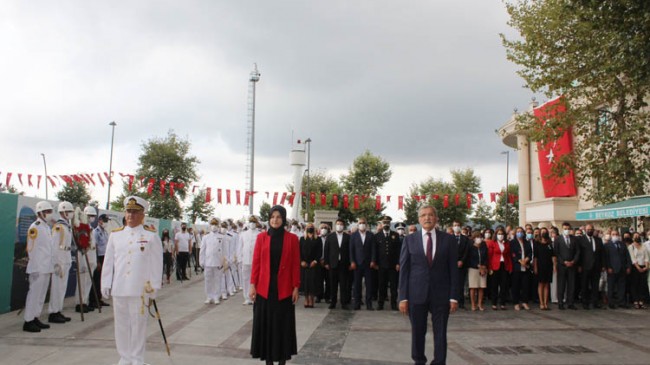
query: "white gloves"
148, 297
106, 293
58, 270
33, 276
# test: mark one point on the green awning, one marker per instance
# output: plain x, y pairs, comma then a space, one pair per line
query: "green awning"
634, 207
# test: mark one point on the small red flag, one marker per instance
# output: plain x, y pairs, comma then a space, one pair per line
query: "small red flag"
291, 198
131, 178
445, 201
208, 195
335, 200
312, 198
9, 178
162, 187
238, 197
493, 197
29, 180
38, 182
100, 178
20, 178
457, 199
378, 203
468, 197
49, 178
246, 197
228, 196
219, 196
346, 201
400, 202
480, 196
356, 202
323, 199
275, 198
282, 199
172, 185
149, 186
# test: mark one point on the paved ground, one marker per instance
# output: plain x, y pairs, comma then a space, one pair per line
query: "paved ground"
209, 334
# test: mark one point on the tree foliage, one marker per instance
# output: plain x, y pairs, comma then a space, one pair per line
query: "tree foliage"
596, 54
319, 182
265, 212
463, 182
10, 189
483, 215
199, 209
513, 209
75, 193
164, 159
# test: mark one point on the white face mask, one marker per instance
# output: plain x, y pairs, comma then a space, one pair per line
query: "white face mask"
500, 237
477, 241
47, 217
69, 215
252, 225
488, 235
323, 231
616, 238
214, 228
400, 231
456, 229
566, 232
223, 230
339, 228
362, 227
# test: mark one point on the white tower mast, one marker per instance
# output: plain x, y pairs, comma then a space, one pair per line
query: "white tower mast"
250, 146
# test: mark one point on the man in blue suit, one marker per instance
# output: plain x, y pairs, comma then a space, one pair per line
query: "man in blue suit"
428, 283
363, 257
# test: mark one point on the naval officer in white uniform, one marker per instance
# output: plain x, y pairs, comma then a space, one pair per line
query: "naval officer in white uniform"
132, 274
62, 247
212, 257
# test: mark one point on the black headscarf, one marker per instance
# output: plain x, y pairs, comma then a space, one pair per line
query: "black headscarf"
283, 213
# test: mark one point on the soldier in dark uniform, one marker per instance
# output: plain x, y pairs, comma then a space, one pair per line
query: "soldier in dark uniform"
388, 250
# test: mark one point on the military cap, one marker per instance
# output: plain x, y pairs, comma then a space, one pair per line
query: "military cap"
399, 225
214, 221
386, 219
136, 203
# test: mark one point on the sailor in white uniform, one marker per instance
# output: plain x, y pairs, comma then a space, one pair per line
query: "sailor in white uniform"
132, 274
61, 247
39, 266
245, 250
212, 259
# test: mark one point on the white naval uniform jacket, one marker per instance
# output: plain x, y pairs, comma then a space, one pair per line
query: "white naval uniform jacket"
213, 250
133, 257
40, 248
62, 242
247, 246
233, 239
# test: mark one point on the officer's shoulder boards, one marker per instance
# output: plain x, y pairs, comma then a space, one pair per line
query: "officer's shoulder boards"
118, 229
37, 223
57, 227
150, 229
32, 233
228, 234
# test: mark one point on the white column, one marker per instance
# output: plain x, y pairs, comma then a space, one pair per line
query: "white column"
523, 148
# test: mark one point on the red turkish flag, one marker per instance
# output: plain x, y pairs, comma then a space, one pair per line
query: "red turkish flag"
436, 196
9, 179
480, 196
378, 203
445, 201
554, 149
291, 198
416, 197
247, 197
38, 181
99, 175
149, 186
468, 197
400, 202
20, 178
282, 199
218, 196
388, 198
312, 198
323, 199
90, 178
131, 178
356, 202
208, 195
29, 180
493, 197
346, 201
162, 187
49, 178
335, 200
172, 185
228, 196
457, 199
275, 198
237, 197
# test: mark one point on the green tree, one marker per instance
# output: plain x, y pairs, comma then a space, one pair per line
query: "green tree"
199, 209
483, 215
10, 189
513, 208
365, 178
595, 54
463, 182
75, 193
320, 182
265, 212
164, 159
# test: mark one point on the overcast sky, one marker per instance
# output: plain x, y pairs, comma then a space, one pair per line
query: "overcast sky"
423, 84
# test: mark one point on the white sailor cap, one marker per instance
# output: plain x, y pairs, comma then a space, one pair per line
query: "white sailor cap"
136, 202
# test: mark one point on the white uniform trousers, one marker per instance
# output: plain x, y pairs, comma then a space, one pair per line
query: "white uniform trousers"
227, 283
213, 277
246, 280
58, 288
38, 283
238, 279
130, 329
86, 283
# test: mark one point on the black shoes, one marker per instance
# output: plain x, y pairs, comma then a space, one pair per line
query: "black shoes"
31, 326
104, 304
560, 306
58, 318
332, 306
40, 324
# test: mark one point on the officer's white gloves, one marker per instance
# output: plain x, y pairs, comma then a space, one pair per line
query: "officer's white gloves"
58, 270
106, 293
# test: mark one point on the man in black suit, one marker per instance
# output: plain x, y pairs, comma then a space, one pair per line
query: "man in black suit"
567, 252
617, 263
591, 265
428, 283
388, 249
363, 257
463, 252
337, 262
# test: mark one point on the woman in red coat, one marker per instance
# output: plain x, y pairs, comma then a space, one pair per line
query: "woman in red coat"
275, 279
499, 268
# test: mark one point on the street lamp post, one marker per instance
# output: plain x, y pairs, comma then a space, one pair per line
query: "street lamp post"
308, 196
110, 165
505, 215
45, 165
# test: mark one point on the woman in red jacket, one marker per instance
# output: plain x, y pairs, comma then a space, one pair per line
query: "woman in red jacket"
499, 268
275, 279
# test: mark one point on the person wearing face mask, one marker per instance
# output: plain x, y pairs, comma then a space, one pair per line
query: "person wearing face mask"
62, 245
532, 241
544, 264
640, 262
617, 263
463, 252
337, 262
499, 268
168, 253
323, 288
521, 254
212, 258
477, 274
363, 257
40, 250
400, 227
388, 250
567, 252
311, 251
182, 240
100, 238
245, 248
590, 268
228, 288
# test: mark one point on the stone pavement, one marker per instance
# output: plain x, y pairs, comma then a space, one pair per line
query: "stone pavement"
220, 334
